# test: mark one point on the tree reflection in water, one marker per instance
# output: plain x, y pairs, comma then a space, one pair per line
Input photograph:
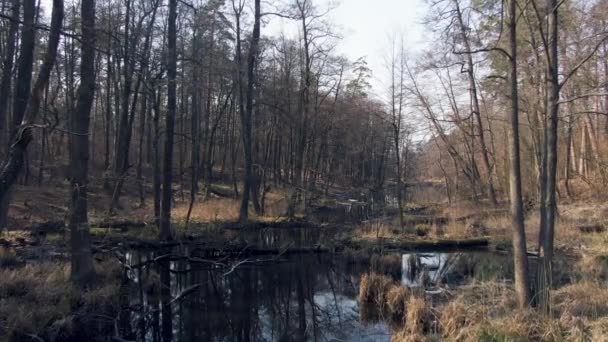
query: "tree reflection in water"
299, 298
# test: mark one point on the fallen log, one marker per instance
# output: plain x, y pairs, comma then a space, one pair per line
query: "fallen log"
421, 245
253, 225
220, 192
121, 224
424, 219
591, 228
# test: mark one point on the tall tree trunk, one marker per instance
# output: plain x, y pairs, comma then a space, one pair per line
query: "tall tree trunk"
520, 251
7, 64
166, 233
548, 219
23, 81
82, 258
140, 154
194, 127
247, 117
568, 169
157, 155
121, 157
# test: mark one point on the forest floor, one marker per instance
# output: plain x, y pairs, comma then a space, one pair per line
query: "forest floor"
34, 264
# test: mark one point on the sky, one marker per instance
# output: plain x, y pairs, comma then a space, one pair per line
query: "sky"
365, 26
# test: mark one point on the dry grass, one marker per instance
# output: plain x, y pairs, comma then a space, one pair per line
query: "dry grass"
496, 297
382, 297
373, 287
210, 211
457, 317
375, 230
518, 326
39, 299
418, 315
397, 299
487, 312
586, 299
598, 330
417, 322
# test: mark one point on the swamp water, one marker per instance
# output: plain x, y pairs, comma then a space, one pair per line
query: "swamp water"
179, 296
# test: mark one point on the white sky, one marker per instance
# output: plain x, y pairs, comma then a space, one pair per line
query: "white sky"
366, 27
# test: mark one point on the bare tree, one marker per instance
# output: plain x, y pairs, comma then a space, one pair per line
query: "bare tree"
14, 162
520, 251
247, 116
166, 232
82, 259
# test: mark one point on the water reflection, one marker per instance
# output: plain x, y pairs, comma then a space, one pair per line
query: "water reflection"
294, 237
452, 269
301, 298
294, 298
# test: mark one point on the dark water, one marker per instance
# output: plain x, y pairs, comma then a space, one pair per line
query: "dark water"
304, 297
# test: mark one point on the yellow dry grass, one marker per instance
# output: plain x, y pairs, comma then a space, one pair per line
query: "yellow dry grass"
376, 230
416, 322
584, 299
373, 287
210, 211
397, 299
418, 315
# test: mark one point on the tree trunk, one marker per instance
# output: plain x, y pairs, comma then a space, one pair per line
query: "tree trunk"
548, 219
247, 117
121, 157
520, 251
156, 157
82, 258
7, 64
194, 128
166, 233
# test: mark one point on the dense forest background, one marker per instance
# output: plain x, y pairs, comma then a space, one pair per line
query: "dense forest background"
143, 104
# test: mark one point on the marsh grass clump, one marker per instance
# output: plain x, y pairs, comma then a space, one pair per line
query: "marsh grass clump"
373, 288
457, 317
39, 300
418, 318
417, 322
381, 297
397, 299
